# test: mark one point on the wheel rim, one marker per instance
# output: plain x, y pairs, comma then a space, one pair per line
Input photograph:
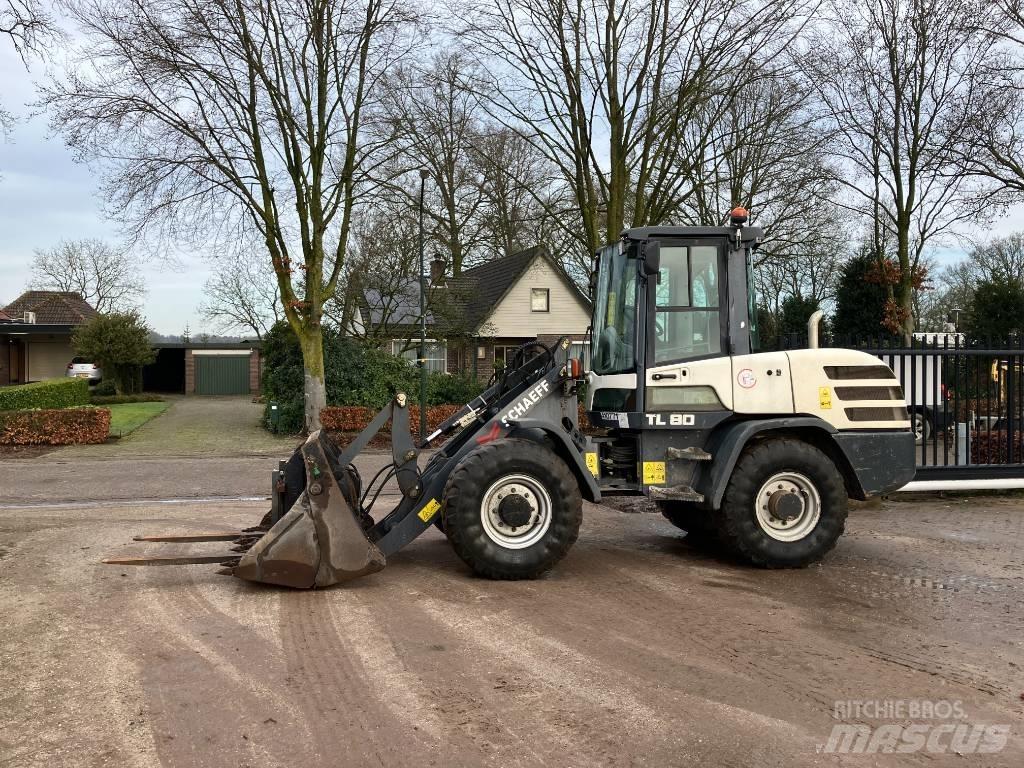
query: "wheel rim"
777, 511
530, 498
920, 428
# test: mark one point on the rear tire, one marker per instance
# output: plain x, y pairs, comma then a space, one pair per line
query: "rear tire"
512, 509
785, 505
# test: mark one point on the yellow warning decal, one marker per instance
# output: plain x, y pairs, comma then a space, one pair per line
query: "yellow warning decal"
825, 398
654, 473
592, 464
429, 510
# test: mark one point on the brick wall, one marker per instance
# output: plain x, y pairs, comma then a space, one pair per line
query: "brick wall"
254, 372
190, 373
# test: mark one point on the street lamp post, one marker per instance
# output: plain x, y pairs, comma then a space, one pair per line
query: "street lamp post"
424, 173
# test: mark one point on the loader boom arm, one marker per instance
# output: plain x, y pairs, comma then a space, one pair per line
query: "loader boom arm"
320, 530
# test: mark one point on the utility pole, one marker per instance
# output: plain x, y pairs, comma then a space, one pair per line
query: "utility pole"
424, 173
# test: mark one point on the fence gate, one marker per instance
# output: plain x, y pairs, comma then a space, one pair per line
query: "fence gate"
966, 403
966, 406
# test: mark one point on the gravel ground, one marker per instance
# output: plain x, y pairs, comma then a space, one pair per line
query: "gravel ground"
637, 650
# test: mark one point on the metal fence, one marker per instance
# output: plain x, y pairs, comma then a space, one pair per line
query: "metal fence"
966, 402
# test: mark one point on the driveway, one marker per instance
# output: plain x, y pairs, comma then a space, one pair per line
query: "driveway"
194, 426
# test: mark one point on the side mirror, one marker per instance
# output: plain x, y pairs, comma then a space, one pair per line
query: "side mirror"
651, 256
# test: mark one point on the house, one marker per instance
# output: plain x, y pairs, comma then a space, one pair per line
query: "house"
35, 334
474, 321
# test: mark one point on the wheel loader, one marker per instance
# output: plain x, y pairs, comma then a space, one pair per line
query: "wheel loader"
758, 451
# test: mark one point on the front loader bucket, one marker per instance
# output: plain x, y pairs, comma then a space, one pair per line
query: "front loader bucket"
320, 541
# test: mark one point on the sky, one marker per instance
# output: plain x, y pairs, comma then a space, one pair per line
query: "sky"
46, 197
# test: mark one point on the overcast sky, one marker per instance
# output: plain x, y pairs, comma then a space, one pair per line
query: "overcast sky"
45, 196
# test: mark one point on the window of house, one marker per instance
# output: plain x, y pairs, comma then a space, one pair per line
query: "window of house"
502, 354
540, 299
436, 353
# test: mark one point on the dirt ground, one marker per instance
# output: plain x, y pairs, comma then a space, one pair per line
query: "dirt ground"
639, 649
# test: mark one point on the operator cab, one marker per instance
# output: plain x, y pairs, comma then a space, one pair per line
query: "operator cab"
666, 295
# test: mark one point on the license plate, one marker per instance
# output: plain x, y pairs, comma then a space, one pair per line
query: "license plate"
81, 375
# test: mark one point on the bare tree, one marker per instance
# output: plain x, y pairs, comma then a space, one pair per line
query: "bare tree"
519, 189
24, 23
215, 112
106, 277
380, 298
604, 89
435, 122
243, 294
900, 81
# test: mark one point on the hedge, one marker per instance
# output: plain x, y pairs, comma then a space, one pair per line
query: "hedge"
118, 399
355, 418
991, 448
67, 426
51, 393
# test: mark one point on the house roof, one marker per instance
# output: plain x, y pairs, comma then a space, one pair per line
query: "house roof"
487, 284
52, 307
471, 297
4, 317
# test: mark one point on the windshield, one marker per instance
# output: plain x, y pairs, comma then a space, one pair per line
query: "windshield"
614, 325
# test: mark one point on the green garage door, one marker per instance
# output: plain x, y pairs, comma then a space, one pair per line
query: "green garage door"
222, 374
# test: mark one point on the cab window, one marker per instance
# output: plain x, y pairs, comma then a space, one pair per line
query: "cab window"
686, 320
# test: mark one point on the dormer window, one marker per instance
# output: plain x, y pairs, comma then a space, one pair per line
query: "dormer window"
540, 299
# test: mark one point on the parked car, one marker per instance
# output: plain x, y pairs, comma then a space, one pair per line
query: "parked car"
80, 368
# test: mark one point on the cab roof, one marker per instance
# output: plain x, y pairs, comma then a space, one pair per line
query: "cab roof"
661, 232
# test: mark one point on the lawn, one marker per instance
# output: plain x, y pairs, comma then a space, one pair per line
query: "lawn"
127, 417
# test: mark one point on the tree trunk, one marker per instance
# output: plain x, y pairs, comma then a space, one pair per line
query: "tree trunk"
311, 341
903, 291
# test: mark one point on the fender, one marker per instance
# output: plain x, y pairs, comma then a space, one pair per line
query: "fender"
569, 453
728, 441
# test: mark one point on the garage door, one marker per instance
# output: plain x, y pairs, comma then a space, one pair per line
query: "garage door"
48, 359
222, 374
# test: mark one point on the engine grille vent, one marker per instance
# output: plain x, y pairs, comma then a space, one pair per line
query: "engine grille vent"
847, 372
877, 413
869, 393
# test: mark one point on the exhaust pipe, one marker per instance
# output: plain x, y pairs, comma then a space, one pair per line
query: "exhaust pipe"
812, 328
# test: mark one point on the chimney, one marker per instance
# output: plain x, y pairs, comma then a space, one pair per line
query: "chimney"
437, 271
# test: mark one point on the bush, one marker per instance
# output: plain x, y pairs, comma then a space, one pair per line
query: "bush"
67, 426
450, 389
119, 344
105, 388
52, 393
991, 448
356, 375
119, 399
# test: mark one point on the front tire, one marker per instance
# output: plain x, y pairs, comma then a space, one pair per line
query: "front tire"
512, 509
785, 505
